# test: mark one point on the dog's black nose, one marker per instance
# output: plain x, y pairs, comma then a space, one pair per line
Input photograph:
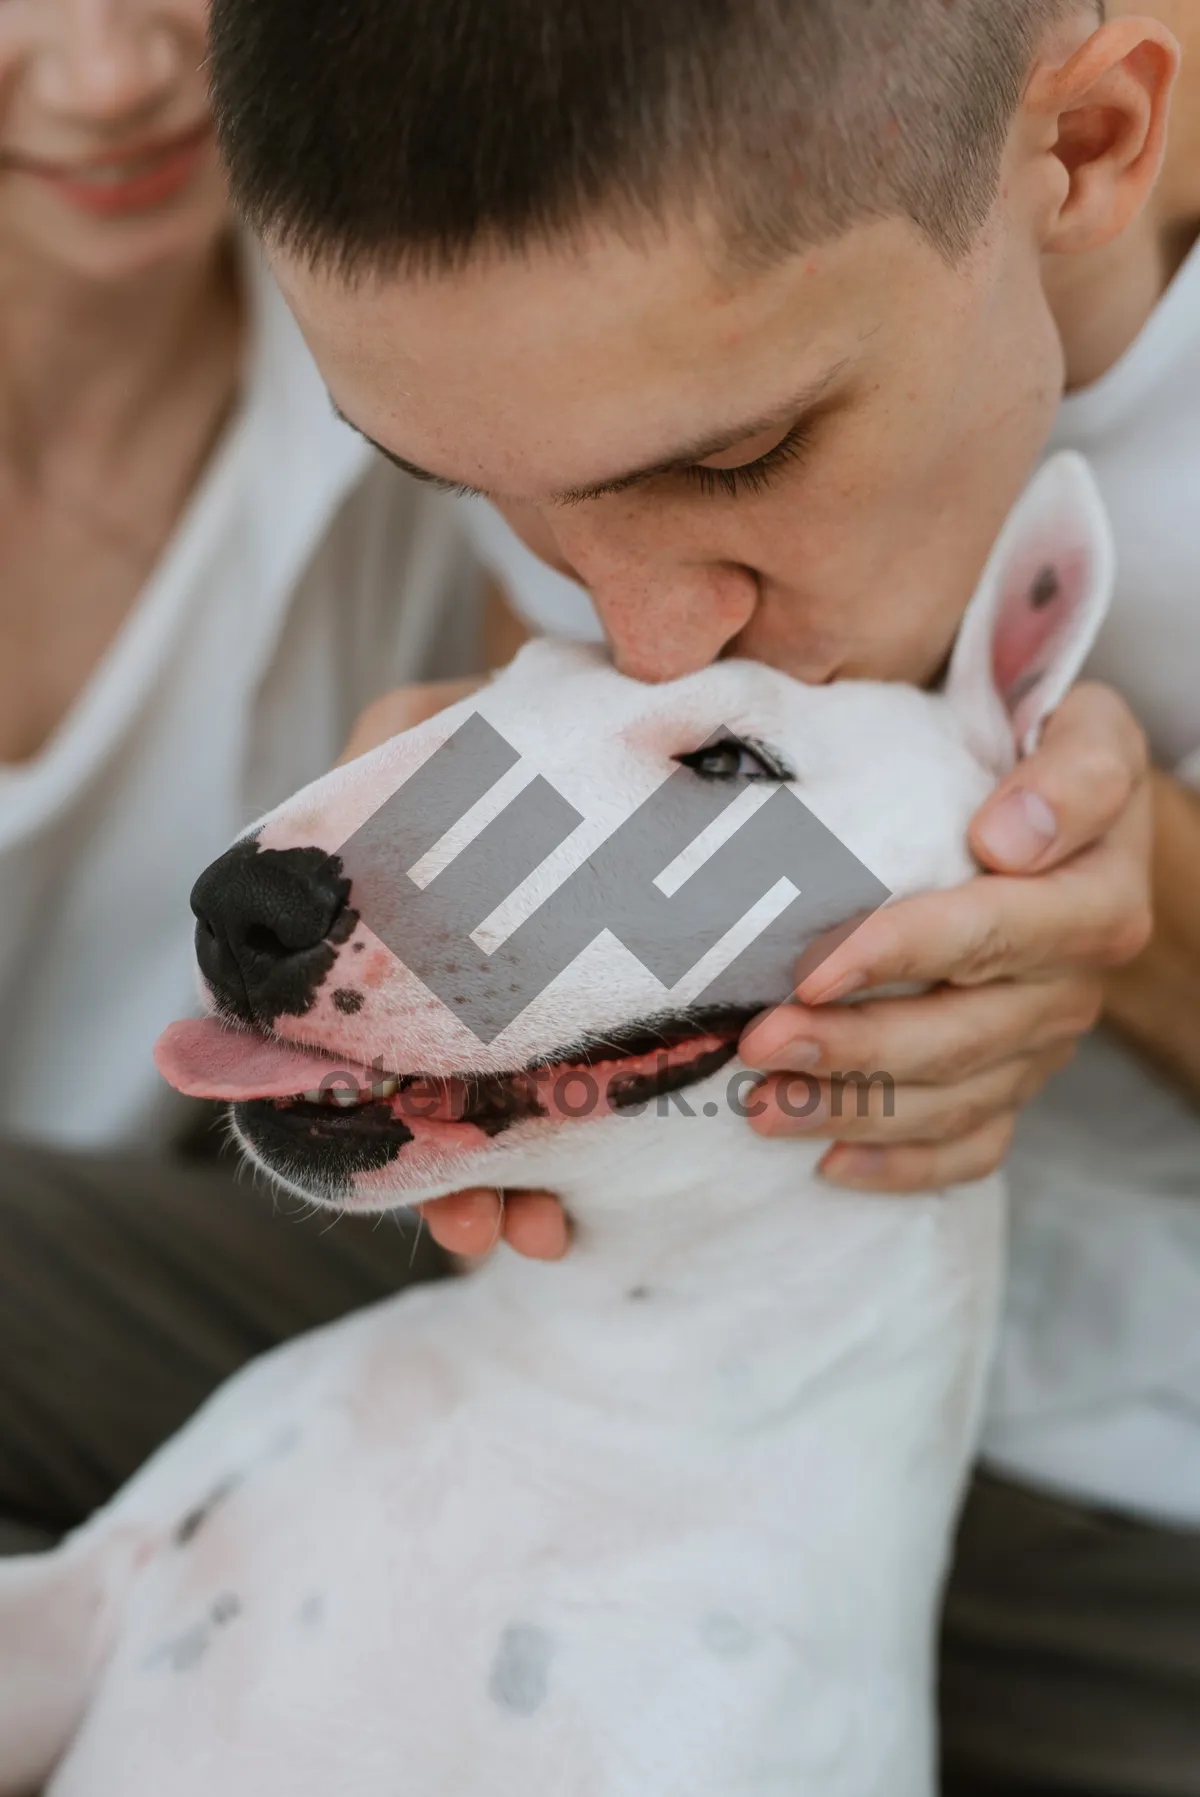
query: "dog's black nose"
268, 925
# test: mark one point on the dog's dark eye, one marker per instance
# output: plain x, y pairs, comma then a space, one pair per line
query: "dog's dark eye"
732, 759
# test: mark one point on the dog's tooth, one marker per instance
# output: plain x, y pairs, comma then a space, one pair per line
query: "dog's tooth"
314, 1097
340, 1095
385, 1088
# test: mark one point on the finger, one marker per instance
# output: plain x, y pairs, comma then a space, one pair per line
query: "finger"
876, 1109
403, 710
1091, 760
535, 1224
937, 1038
1094, 911
465, 1222
924, 1167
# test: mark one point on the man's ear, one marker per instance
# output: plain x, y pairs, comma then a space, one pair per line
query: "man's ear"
1039, 607
1103, 114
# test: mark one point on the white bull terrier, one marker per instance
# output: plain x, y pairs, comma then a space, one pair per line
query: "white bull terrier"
668, 1519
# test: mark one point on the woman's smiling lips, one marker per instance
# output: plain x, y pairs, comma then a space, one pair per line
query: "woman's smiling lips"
132, 179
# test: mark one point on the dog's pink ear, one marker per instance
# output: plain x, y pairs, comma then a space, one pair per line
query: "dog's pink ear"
1042, 600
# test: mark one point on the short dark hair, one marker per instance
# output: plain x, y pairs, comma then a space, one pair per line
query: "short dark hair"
384, 133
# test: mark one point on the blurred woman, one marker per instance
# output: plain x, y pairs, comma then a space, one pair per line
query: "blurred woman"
203, 575
203, 579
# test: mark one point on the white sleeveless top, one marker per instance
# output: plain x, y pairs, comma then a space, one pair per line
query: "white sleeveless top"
305, 577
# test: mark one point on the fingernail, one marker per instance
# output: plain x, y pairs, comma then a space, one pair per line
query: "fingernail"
1019, 829
813, 993
842, 1164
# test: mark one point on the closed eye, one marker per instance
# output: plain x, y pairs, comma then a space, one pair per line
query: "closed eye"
755, 476
733, 758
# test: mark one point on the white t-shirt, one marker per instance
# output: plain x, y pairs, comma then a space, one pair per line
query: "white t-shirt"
305, 577
1097, 1386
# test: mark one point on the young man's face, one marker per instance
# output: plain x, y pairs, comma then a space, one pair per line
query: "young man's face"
838, 437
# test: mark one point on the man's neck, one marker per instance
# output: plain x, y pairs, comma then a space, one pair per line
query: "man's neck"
1102, 301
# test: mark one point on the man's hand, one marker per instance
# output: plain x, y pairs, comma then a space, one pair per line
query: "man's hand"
1017, 965
473, 1222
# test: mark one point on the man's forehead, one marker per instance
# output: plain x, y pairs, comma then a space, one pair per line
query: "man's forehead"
529, 376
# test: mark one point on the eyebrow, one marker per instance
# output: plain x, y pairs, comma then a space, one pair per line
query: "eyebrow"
797, 412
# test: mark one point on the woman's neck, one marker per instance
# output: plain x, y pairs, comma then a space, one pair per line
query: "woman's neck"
111, 402
84, 363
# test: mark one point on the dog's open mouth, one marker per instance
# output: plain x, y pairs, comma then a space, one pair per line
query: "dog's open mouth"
303, 1096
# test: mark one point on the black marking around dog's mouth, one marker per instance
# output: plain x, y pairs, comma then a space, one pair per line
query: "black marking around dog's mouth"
640, 1088
495, 1101
295, 1137
328, 1145
664, 1029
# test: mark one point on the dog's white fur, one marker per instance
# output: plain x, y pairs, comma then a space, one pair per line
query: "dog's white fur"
666, 1520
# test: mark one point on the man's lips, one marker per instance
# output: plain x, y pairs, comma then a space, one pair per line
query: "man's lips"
130, 178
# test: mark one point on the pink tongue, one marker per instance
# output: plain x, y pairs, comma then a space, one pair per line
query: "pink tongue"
208, 1059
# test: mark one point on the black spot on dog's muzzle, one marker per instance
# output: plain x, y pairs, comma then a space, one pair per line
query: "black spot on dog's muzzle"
321, 1149
268, 926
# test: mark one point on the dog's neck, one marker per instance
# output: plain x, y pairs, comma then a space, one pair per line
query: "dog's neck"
658, 1182
696, 1205
708, 1265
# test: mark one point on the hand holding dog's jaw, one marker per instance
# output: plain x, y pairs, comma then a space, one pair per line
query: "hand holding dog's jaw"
1075, 813
1019, 968
1018, 965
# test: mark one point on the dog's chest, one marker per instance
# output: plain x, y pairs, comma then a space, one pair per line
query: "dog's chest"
432, 1550
487, 1631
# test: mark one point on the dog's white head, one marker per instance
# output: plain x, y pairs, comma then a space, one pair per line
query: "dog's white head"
452, 961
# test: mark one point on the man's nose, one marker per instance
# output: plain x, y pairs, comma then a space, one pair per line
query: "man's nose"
269, 922
667, 610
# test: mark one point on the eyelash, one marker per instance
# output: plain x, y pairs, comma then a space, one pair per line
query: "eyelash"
729, 483
752, 477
